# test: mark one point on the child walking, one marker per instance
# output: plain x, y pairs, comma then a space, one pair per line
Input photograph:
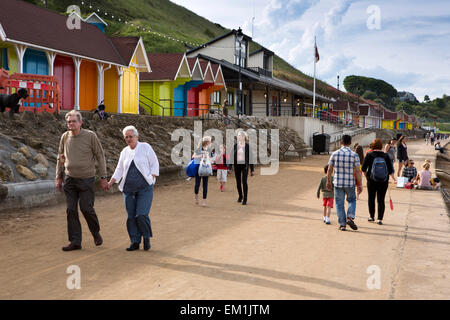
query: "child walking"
222, 168
328, 197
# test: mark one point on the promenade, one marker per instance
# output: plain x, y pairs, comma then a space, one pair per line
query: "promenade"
276, 247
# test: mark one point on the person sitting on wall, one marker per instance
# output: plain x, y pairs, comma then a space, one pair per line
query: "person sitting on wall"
437, 146
101, 111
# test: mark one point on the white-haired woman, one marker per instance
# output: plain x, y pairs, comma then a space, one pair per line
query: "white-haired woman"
202, 152
136, 171
242, 165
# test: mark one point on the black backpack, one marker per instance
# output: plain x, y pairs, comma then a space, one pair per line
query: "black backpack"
379, 170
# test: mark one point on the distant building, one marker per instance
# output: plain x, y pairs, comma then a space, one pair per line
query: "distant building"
406, 96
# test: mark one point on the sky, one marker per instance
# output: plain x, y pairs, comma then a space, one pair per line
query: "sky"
403, 42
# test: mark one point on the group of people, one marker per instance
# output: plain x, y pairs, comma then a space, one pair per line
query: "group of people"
80, 150
434, 139
343, 174
242, 167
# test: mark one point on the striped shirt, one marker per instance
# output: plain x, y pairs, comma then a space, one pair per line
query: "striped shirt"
344, 162
409, 173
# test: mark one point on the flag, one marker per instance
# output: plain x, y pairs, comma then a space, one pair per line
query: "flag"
316, 52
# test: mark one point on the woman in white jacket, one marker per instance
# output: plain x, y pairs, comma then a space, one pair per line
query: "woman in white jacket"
136, 171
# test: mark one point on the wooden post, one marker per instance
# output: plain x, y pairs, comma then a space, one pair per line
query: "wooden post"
77, 64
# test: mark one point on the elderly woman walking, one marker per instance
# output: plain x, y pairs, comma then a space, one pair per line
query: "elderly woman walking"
136, 171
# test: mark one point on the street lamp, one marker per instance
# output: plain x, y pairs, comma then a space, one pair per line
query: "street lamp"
240, 37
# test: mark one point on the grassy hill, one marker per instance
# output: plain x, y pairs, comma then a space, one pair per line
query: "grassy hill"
170, 19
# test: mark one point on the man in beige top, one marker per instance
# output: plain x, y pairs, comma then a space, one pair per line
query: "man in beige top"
79, 150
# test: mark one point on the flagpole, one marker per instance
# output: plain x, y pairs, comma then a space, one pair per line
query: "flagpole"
314, 88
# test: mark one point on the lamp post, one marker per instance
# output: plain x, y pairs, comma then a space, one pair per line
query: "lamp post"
240, 37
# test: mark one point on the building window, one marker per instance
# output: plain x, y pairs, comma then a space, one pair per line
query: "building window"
243, 53
266, 62
216, 98
230, 99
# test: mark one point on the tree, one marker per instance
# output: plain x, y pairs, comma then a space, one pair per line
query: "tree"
359, 85
369, 95
405, 107
427, 98
440, 103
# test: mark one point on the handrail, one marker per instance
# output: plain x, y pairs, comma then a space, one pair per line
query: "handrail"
145, 106
155, 103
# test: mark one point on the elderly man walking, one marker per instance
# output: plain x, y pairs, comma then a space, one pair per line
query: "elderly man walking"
78, 151
345, 165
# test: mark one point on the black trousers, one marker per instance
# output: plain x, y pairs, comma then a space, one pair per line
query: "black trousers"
80, 191
241, 173
205, 185
377, 190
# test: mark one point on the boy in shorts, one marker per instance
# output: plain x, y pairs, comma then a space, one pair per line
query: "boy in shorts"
328, 197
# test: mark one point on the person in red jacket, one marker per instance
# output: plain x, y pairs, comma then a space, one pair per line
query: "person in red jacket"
222, 168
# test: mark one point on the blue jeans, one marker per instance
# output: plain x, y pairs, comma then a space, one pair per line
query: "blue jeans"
339, 198
198, 179
138, 206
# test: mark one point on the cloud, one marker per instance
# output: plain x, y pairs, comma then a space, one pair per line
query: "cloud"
410, 51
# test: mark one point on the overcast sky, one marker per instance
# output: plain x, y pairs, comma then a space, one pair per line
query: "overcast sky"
404, 42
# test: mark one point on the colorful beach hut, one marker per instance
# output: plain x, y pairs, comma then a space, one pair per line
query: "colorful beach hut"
162, 91
90, 66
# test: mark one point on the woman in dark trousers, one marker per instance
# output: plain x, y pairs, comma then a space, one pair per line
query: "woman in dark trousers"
241, 165
377, 188
402, 154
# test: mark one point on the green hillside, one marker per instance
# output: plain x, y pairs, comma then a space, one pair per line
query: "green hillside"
165, 17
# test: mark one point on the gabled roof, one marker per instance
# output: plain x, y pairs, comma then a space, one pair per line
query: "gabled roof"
26, 24
194, 67
232, 32
166, 67
208, 75
127, 47
95, 18
218, 75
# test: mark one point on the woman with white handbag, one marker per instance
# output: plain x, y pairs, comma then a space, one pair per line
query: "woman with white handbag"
201, 155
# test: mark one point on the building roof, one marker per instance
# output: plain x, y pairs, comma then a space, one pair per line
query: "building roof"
273, 82
95, 18
165, 66
217, 39
390, 115
27, 24
36, 27
126, 46
340, 105
266, 51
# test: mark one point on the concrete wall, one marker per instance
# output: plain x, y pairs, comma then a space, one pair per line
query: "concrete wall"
306, 127
25, 195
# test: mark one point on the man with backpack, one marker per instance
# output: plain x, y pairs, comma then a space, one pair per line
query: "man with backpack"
377, 167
